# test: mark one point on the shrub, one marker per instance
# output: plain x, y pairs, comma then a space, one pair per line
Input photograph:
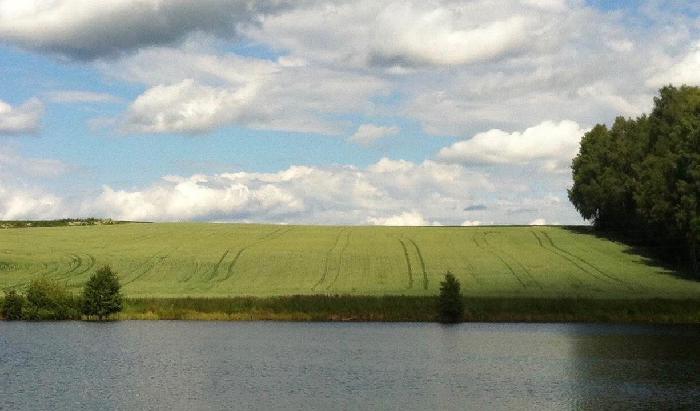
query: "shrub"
101, 295
450, 304
12, 306
50, 300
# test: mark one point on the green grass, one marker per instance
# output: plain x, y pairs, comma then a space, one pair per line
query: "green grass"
405, 308
230, 260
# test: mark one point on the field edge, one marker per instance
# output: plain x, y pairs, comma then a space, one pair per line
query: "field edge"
412, 309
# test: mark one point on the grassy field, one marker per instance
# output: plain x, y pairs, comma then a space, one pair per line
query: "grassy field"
228, 260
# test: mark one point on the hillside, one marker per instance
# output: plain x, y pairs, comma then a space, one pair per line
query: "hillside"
191, 259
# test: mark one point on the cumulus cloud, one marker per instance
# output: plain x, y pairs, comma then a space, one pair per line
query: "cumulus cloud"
685, 70
389, 192
194, 92
405, 34
85, 29
407, 218
21, 194
337, 194
22, 119
552, 144
470, 223
538, 221
17, 203
368, 134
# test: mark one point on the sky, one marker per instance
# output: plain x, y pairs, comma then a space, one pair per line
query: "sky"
316, 112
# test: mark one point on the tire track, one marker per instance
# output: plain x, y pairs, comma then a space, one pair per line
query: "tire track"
149, 265
577, 281
501, 259
74, 259
340, 259
530, 280
327, 261
215, 269
422, 264
408, 264
90, 265
267, 237
606, 277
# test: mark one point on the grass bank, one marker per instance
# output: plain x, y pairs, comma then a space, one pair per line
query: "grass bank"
408, 308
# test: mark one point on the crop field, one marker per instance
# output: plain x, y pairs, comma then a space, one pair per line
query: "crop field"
220, 260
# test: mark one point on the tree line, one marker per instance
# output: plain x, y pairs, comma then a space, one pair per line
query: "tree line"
640, 178
48, 299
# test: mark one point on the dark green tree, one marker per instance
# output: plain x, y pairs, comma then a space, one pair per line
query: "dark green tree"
102, 294
668, 193
641, 177
450, 304
12, 306
605, 176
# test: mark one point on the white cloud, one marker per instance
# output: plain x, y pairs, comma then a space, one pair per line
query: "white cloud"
21, 196
470, 223
406, 34
538, 221
192, 92
368, 134
187, 107
407, 218
13, 165
552, 144
87, 29
303, 194
685, 70
17, 204
23, 119
80, 96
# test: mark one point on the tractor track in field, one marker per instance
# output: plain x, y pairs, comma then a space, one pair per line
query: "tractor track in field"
422, 263
340, 259
149, 265
408, 263
275, 234
79, 264
215, 269
500, 258
530, 280
327, 261
571, 257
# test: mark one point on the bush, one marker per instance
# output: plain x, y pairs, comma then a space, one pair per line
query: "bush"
12, 306
50, 300
101, 295
450, 304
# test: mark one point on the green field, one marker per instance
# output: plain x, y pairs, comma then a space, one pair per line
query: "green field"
221, 260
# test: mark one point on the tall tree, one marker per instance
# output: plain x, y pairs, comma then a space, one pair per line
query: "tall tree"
669, 184
641, 177
102, 294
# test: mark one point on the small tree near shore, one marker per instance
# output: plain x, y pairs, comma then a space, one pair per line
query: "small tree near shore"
12, 306
450, 304
102, 294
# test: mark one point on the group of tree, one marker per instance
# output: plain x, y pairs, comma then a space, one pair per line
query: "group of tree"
47, 299
640, 178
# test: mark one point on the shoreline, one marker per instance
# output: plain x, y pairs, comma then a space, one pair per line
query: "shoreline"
322, 308
347, 308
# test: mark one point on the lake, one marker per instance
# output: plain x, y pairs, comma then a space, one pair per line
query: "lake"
401, 366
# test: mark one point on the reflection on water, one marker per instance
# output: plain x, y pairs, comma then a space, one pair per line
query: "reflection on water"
266, 365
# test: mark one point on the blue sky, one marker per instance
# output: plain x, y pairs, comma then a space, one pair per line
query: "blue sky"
322, 112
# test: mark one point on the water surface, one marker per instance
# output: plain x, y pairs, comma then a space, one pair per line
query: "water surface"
277, 365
